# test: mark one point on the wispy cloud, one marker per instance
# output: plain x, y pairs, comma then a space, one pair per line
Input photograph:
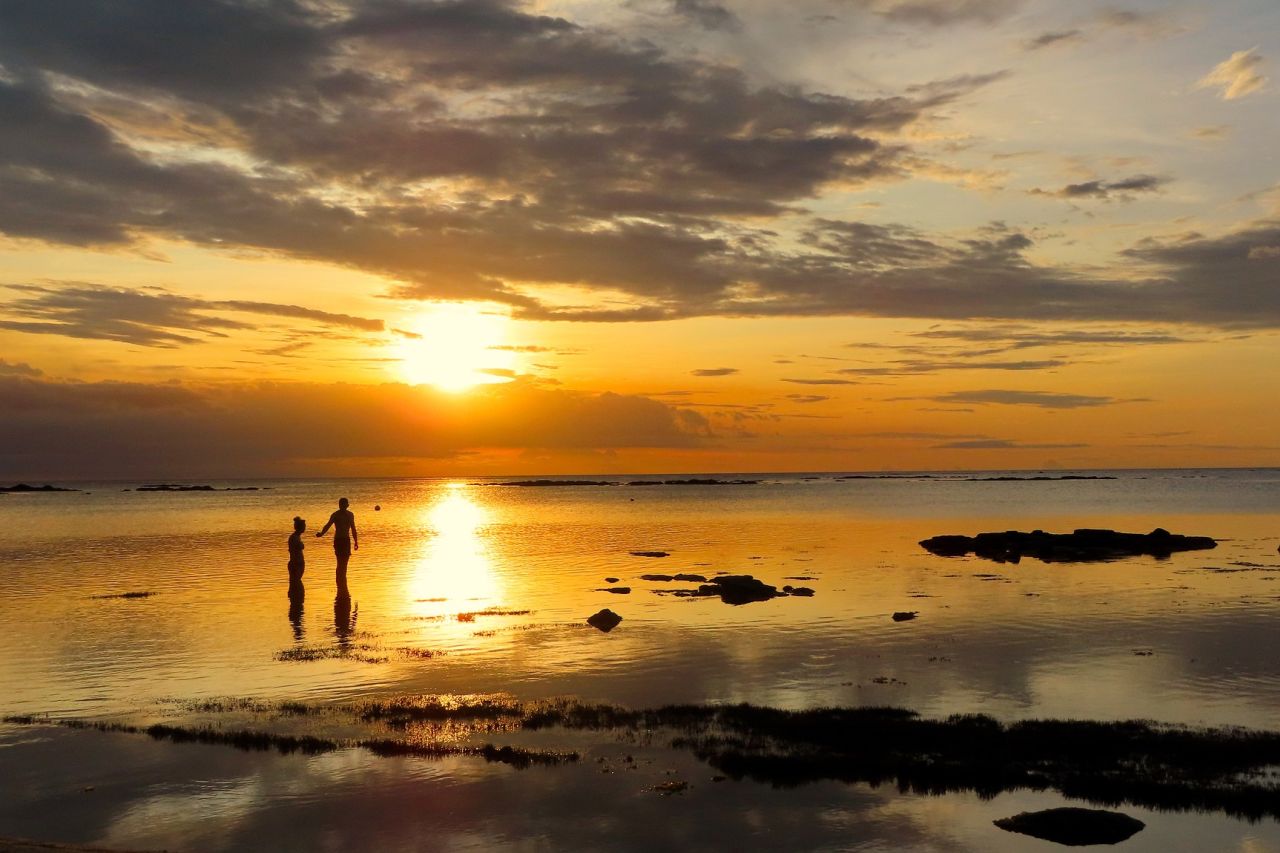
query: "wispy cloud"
147, 317
1123, 188
714, 371
1236, 76
1004, 444
1039, 399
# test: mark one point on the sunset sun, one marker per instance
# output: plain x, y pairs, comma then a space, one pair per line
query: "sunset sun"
455, 347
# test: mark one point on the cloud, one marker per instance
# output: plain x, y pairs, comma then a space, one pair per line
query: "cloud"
1123, 188
1012, 338
941, 13
1236, 76
905, 367
478, 151
715, 371
1213, 132
1002, 444
807, 398
152, 318
707, 14
85, 429
821, 381
1040, 399
1057, 37
19, 368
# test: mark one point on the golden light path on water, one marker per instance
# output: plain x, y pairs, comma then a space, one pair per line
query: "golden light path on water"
454, 564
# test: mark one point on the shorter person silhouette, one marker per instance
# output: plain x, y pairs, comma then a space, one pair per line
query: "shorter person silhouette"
297, 563
345, 537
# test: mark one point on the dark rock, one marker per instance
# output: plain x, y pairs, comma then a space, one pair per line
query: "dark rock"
739, 589
173, 487
606, 620
650, 553
905, 615
1074, 827
616, 590
1082, 545
689, 578
803, 591
544, 483
24, 487
611, 580
657, 578
693, 482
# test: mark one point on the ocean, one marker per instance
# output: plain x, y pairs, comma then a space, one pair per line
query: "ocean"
467, 588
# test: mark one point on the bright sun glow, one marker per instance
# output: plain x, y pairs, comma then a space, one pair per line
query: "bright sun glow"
456, 349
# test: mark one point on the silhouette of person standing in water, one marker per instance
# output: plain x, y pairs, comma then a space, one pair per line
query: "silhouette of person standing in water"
297, 565
344, 539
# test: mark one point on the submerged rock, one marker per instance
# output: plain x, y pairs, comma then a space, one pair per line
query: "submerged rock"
803, 591
689, 578
616, 590
905, 615
1082, 545
606, 620
650, 553
1074, 827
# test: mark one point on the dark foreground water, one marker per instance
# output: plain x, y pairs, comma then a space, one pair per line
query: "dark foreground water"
477, 589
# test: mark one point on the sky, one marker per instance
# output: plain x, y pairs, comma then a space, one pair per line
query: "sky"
405, 237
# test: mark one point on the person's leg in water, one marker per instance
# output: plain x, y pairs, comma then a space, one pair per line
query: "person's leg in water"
344, 557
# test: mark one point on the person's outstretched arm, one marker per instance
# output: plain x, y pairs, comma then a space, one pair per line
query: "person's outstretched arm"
326, 527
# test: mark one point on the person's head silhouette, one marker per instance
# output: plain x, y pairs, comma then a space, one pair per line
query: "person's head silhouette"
299, 523
343, 503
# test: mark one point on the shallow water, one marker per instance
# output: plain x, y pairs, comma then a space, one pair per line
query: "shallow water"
1189, 639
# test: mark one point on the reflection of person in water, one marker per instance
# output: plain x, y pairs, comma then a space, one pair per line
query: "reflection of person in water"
344, 618
343, 521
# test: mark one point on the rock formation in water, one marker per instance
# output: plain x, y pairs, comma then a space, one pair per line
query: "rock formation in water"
1082, 545
1074, 827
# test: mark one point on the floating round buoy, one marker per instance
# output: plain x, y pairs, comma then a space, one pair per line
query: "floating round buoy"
377, 507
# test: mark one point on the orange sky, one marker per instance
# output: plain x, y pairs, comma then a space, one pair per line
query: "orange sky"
492, 237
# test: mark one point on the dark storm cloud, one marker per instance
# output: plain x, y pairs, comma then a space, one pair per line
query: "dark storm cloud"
85, 429
475, 150
715, 371
1040, 399
154, 318
1099, 189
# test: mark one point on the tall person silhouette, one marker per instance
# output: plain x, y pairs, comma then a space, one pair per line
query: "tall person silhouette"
343, 521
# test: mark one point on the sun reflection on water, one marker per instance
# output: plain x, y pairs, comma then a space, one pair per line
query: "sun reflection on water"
455, 564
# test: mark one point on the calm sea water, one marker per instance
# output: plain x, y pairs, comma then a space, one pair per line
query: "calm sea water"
1190, 639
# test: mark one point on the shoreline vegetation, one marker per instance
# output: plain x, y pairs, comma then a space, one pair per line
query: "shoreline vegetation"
1140, 763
